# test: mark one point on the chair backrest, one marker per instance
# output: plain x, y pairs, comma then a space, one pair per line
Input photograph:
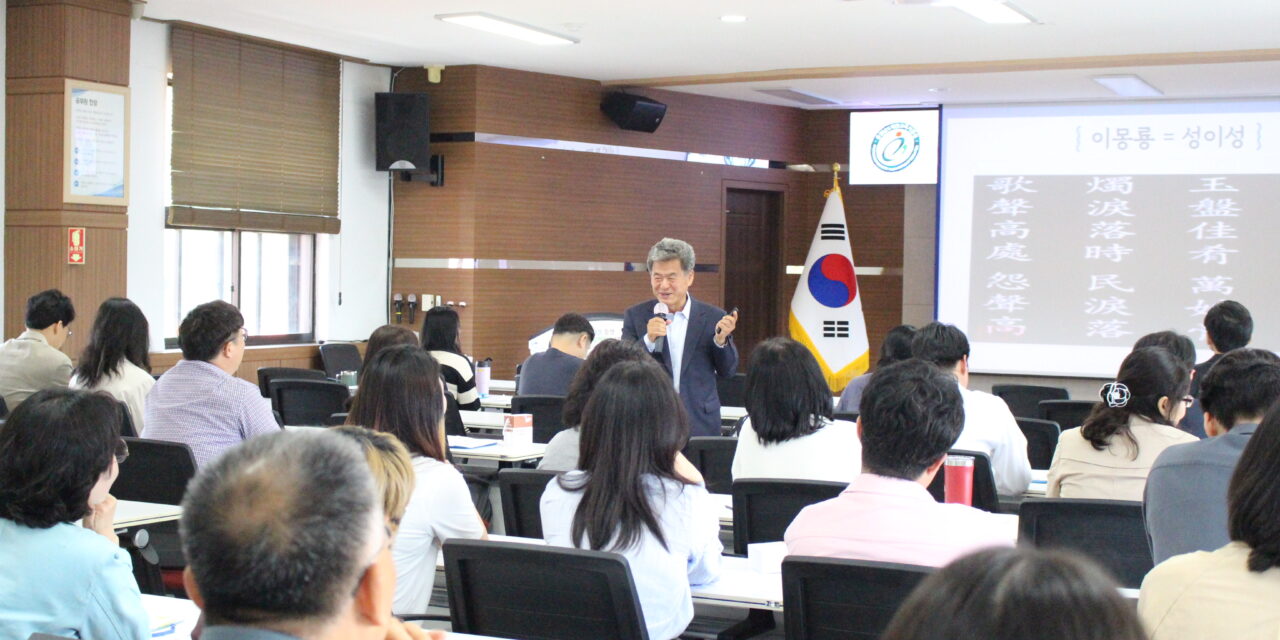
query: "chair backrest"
540, 592
453, 425
155, 471
732, 390
267, 374
4, 409
764, 508
1069, 414
835, 598
1024, 399
1042, 440
548, 418
1109, 531
340, 356
336, 419
713, 456
984, 482
848, 416
127, 428
307, 402
521, 491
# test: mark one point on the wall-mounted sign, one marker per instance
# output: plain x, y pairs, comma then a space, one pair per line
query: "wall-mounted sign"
96, 144
75, 245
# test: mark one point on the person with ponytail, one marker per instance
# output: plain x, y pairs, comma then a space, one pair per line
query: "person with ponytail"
1110, 456
1231, 592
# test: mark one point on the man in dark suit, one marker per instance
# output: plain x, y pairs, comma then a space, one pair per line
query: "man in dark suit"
693, 340
1228, 325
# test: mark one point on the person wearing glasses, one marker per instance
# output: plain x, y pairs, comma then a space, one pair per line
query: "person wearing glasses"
62, 571
200, 401
34, 360
1110, 456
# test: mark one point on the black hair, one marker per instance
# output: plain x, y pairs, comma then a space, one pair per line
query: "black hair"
1016, 594
601, 359
1241, 383
941, 344
1149, 373
1254, 492
896, 346
440, 330
1177, 344
388, 335
632, 427
574, 323
400, 393
49, 307
120, 333
207, 328
911, 414
56, 445
1229, 325
787, 395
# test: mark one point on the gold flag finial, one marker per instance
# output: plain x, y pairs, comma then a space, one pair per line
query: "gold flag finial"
835, 179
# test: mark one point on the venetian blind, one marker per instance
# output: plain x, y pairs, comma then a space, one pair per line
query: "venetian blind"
255, 135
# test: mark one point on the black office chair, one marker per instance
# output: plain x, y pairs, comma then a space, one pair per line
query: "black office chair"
713, 457
548, 418
453, 417
1109, 531
835, 599
127, 427
155, 471
4, 409
307, 402
984, 482
338, 357
1042, 440
1024, 399
540, 592
732, 390
848, 416
764, 508
1069, 414
521, 491
267, 374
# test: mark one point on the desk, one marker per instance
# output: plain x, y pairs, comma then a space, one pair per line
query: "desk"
504, 386
504, 453
483, 420
136, 514
1039, 483
726, 508
496, 401
732, 414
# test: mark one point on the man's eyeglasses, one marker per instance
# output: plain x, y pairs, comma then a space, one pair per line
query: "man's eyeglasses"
1188, 401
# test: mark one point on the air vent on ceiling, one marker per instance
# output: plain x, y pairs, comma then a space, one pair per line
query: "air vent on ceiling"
795, 95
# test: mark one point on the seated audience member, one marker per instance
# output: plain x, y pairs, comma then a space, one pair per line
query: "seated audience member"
1185, 503
391, 466
388, 335
1179, 345
1109, 457
116, 359
789, 432
200, 401
441, 337
912, 413
285, 538
1228, 325
34, 360
562, 451
62, 450
1017, 594
989, 426
1231, 592
550, 372
402, 395
632, 498
895, 348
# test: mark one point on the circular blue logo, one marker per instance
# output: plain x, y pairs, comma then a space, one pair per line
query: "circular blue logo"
895, 147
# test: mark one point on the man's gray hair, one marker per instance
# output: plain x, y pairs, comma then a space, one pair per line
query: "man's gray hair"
671, 249
281, 528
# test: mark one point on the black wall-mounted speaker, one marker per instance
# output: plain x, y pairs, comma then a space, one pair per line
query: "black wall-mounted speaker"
633, 113
402, 136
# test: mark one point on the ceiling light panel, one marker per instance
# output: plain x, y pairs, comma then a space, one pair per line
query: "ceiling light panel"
504, 27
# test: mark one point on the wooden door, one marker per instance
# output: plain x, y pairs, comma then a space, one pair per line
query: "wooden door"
752, 265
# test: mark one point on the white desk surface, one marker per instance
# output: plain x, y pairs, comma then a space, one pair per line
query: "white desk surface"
500, 451
482, 419
1039, 483
502, 386
726, 508
732, 414
496, 401
133, 514
503, 402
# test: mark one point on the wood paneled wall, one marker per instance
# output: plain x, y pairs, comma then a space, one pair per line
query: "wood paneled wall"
302, 356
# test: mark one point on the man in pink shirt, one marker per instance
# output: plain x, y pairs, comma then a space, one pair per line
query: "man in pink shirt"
912, 413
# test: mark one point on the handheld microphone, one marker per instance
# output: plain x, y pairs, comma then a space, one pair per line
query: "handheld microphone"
661, 310
397, 302
413, 307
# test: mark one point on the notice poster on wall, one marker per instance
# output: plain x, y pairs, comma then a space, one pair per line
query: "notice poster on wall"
96, 144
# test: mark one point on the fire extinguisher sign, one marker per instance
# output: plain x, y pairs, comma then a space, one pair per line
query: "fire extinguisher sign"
75, 245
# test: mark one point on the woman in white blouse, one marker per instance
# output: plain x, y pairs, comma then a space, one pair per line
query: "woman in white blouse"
632, 497
116, 360
789, 432
401, 393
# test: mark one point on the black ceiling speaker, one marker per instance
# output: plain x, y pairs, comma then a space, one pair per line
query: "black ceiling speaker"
633, 113
403, 138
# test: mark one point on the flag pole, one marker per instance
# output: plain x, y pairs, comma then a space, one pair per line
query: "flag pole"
835, 179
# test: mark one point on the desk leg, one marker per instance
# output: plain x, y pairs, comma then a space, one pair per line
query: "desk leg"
758, 621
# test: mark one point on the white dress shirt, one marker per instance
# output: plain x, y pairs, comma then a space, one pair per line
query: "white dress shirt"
989, 427
677, 327
832, 453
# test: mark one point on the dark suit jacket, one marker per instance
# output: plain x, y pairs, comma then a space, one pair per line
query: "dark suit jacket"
701, 362
1193, 422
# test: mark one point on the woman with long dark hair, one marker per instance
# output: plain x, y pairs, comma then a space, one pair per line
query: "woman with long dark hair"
1110, 456
401, 394
895, 348
629, 497
116, 359
441, 332
789, 431
388, 335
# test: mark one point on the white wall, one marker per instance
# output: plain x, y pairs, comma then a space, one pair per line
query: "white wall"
148, 171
